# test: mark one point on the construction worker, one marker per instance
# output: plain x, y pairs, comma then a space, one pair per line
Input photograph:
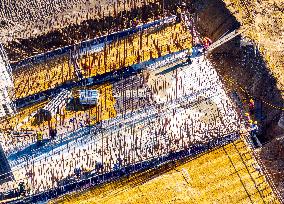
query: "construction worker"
247, 116
189, 53
207, 42
253, 132
78, 171
197, 50
244, 101
39, 137
251, 106
254, 128
134, 22
21, 187
178, 18
52, 133
250, 122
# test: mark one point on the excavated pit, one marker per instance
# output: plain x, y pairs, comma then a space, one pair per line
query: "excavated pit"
236, 60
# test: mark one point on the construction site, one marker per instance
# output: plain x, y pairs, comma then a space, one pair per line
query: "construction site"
141, 101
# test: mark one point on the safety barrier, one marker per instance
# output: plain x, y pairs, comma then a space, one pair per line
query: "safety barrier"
268, 177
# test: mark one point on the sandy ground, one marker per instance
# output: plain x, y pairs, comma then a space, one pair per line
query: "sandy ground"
265, 23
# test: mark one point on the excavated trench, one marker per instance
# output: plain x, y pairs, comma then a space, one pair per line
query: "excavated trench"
242, 63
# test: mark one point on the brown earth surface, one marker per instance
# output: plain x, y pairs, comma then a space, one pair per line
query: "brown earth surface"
246, 63
272, 155
41, 30
42, 17
265, 23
